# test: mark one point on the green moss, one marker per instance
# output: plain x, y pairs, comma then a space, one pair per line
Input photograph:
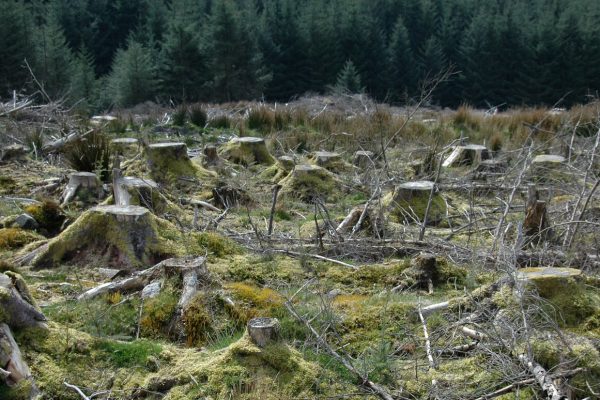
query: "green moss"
251, 301
407, 211
310, 184
197, 320
13, 238
246, 153
158, 311
48, 215
217, 245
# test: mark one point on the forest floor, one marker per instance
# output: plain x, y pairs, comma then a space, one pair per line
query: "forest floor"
502, 290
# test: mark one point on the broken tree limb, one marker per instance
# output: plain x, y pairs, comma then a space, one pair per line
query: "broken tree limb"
351, 219
275, 190
427, 341
14, 367
363, 380
542, 378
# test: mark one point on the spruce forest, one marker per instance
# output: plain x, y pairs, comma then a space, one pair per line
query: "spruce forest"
299, 200
122, 53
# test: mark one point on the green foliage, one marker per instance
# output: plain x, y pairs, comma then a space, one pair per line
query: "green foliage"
13, 238
220, 122
127, 355
48, 215
133, 76
158, 311
16, 45
180, 115
261, 119
348, 80
90, 154
217, 245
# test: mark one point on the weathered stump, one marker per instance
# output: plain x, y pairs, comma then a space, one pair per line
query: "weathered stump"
310, 182
247, 151
409, 203
548, 167
18, 308
139, 192
13, 152
422, 273
226, 196
169, 162
287, 163
124, 146
364, 159
211, 156
263, 331
471, 154
330, 161
535, 225
279, 170
82, 185
120, 236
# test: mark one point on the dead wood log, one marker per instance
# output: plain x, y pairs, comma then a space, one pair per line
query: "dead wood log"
263, 331
471, 154
275, 190
351, 219
17, 305
542, 378
13, 367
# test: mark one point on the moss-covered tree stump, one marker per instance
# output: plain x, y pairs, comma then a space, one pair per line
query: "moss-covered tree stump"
13, 152
330, 161
139, 192
14, 371
310, 182
279, 170
118, 236
124, 146
84, 186
247, 151
547, 167
471, 154
409, 203
211, 156
168, 162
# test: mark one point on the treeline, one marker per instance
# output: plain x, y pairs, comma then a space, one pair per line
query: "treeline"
99, 53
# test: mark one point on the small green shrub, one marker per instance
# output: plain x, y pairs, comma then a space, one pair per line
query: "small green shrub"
13, 238
48, 215
198, 115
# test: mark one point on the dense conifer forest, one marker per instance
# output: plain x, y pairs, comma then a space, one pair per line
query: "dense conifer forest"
100, 53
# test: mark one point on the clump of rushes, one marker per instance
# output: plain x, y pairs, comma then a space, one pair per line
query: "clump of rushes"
180, 115
198, 115
220, 122
90, 154
261, 119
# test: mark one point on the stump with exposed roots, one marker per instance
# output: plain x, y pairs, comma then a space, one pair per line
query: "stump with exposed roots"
118, 236
169, 162
83, 186
279, 170
263, 331
409, 203
247, 151
468, 155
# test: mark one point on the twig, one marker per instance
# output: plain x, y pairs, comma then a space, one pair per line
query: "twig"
75, 388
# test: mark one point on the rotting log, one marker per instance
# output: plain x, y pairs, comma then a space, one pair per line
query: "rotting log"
542, 378
351, 220
84, 185
263, 331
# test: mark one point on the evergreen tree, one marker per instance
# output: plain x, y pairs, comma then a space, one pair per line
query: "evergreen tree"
348, 80
54, 60
132, 79
182, 70
235, 62
402, 63
83, 80
15, 46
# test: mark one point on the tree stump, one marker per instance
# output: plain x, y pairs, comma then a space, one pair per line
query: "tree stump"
535, 225
491, 166
471, 154
13, 152
169, 162
18, 308
286, 162
139, 192
85, 186
120, 236
247, 151
364, 159
330, 161
211, 157
409, 203
310, 182
547, 167
124, 146
423, 273
263, 331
